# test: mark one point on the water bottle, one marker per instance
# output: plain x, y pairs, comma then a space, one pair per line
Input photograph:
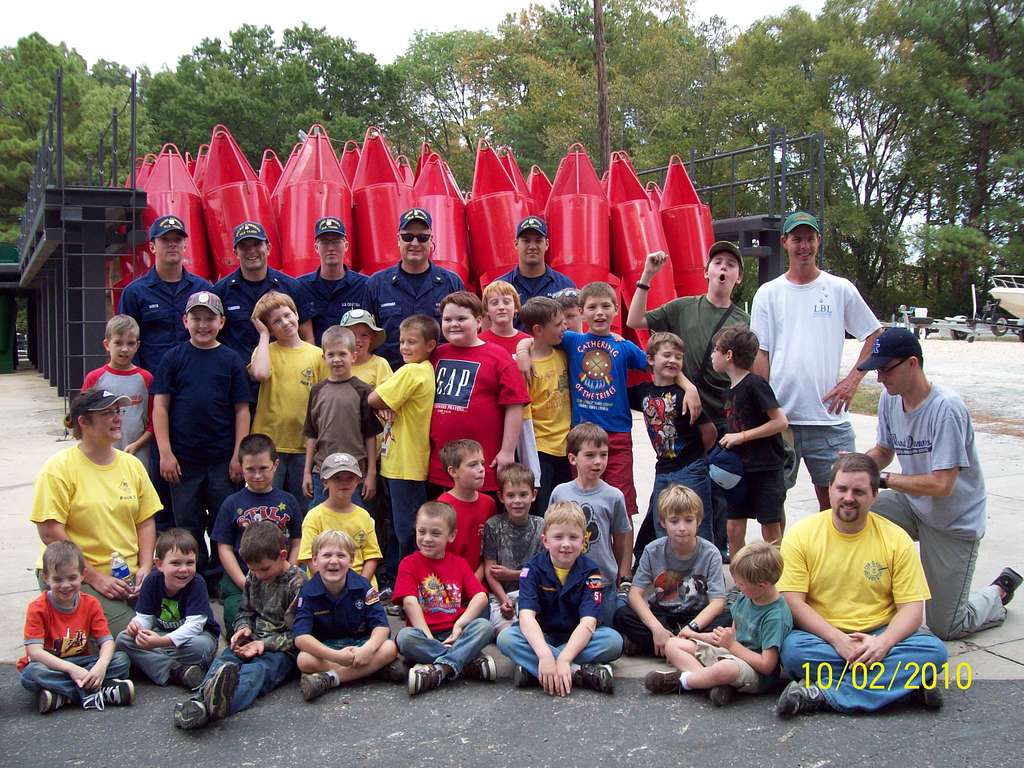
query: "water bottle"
119, 567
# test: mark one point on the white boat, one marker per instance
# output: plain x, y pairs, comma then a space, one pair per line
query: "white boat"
1009, 291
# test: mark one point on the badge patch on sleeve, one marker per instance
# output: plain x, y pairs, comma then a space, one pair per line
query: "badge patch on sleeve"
595, 582
525, 572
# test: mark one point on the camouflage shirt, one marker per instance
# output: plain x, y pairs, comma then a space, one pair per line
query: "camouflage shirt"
268, 608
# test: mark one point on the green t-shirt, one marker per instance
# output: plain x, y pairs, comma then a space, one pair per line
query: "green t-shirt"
759, 627
694, 318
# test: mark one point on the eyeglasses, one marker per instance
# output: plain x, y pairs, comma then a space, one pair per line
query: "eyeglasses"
893, 367
408, 237
110, 412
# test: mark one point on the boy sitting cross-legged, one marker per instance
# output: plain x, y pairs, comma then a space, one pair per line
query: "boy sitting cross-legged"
745, 656
261, 653
340, 629
558, 639
443, 603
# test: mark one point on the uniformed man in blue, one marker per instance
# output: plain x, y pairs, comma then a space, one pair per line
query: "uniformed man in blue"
414, 286
240, 290
332, 288
157, 299
532, 276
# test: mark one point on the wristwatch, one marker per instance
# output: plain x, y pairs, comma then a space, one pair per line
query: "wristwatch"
883, 479
694, 626
645, 286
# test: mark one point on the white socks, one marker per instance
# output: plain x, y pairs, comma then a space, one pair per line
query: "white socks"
684, 680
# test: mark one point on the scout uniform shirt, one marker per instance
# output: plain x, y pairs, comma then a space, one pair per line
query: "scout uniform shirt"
560, 606
352, 614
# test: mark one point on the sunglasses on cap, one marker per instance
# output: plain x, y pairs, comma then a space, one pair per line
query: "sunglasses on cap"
408, 237
569, 293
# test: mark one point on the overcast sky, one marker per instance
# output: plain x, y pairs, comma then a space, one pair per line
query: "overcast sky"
127, 34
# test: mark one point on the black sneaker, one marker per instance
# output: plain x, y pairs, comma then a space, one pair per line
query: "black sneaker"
385, 595
521, 677
219, 690
190, 714
798, 698
316, 685
721, 695
481, 668
1009, 580
190, 676
596, 677
50, 702
630, 647
662, 681
927, 698
395, 672
120, 694
425, 677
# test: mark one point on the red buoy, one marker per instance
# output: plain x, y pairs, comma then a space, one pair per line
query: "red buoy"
577, 217
143, 171
170, 191
232, 193
270, 169
494, 210
349, 161
379, 196
540, 190
312, 187
654, 192
405, 171
199, 169
688, 229
190, 163
436, 193
512, 169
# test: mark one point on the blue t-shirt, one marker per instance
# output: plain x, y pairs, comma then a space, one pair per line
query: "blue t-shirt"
170, 611
242, 509
204, 386
598, 367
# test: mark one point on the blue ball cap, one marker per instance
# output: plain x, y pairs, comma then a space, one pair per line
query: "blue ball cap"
414, 214
166, 224
329, 225
535, 223
249, 229
893, 344
725, 468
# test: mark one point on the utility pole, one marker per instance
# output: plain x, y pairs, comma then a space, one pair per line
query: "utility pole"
605, 149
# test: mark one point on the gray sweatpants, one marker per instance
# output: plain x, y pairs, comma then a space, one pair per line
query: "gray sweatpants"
157, 663
954, 611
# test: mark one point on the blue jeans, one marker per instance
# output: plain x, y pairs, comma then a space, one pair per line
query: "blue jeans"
695, 477
256, 676
195, 501
805, 654
407, 496
320, 493
38, 677
156, 663
288, 476
417, 647
605, 645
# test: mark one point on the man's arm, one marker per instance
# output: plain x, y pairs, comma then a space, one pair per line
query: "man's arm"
839, 397
938, 482
762, 365
809, 620
906, 621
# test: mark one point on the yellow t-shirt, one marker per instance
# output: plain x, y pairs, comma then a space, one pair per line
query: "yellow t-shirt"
561, 573
99, 506
406, 448
854, 581
358, 524
374, 371
549, 398
281, 408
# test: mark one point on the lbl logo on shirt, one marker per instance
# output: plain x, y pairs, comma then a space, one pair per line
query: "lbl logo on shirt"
455, 382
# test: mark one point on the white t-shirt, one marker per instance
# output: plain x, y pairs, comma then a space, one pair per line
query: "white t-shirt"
802, 328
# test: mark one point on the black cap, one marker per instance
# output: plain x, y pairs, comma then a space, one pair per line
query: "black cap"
93, 400
414, 214
249, 229
329, 225
893, 344
536, 223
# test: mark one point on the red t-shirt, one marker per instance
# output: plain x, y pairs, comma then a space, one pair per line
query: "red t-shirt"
443, 587
470, 517
64, 634
474, 385
508, 343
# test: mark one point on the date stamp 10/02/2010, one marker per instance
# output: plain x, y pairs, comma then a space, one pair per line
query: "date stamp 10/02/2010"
877, 676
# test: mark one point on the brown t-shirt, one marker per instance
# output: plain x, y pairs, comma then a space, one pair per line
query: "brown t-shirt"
339, 419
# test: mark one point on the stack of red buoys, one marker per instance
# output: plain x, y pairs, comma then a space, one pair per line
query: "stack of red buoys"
349, 161
232, 193
170, 191
577, 218
379, 196
539, 187
688, 229
199, 168
435, 192
270, 169
312, 187
494, 210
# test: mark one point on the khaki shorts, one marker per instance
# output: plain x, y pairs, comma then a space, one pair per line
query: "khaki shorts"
748, 681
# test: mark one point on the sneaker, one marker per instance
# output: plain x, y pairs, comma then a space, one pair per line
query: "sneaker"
219, 690
481, 668
395, 672
662, 681
798, 698
190, 714
120, 694
521, 677
721, 695
1009, 580
50, 701
596, 677
190, 676
631, 648
385, 595
316, 685
926, 698
425, 677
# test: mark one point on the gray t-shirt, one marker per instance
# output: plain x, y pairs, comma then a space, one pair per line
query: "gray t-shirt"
511, 545
134, 418
605, 508
669, 581
937, 435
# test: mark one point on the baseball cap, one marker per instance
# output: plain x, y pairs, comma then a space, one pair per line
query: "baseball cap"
800, 219
725, 246
414, 214
166, 224
725, 468
893, 344
92, 400
249, 229
362, 317
205, 299
329, 225
535, 223
339, 462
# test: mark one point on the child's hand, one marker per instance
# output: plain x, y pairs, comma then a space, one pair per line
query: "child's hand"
307, 485
547, 673
148, 639
251, 649
361, 656
653, 264
131, 448
369, 486
561, 681
170, 470
503, 459
661, 637
692, 404
507, 609
235, 469
133, 627
93, 678
260, 326
724, 637
387, 414
345, 657
79, 675
502, 573
731, 440
455, 633
687, 633
240, 638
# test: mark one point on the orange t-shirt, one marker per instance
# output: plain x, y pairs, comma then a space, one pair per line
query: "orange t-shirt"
64, 634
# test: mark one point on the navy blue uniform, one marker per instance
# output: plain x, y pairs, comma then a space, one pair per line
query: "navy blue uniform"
393, 295
351, 615
560, 607
548, 284
158, 307
330, 299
